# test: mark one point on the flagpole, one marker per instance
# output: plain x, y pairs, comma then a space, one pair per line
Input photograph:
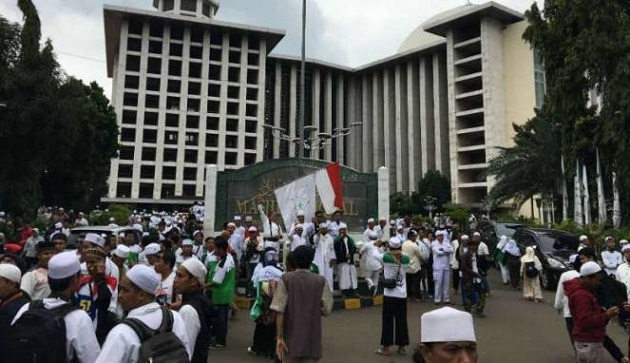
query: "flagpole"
302, 84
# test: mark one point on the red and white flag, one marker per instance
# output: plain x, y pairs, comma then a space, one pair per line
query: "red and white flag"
328, 182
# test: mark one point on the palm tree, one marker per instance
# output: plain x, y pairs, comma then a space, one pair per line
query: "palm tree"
531, 166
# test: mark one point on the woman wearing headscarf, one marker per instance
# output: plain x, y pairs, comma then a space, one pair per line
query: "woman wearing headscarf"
530, 272
512, 258
501, 260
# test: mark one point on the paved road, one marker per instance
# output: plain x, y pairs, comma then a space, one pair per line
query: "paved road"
515, 331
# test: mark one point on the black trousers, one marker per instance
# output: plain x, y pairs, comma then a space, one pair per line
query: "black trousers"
220, 326
426, 277
413, 285
264, 339
455, 279
514, 267
394, 324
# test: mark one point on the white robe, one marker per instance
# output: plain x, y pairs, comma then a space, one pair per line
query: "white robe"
324, 253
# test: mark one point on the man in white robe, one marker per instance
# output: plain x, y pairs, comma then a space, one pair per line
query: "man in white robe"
325, 258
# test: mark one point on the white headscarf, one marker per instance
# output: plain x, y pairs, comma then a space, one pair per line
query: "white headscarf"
502, 242
529, 256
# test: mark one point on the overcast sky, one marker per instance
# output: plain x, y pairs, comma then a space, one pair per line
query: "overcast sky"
346, 32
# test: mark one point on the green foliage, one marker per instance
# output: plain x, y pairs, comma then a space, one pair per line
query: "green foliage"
436, 185
531, 166
57, 134
586, 47
120, 213
459, 214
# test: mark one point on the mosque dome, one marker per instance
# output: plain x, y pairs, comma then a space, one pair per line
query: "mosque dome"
418, 38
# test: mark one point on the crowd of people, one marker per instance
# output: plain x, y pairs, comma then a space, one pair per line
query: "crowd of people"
163, 289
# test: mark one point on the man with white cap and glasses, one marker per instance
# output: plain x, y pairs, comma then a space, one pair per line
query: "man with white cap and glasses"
589, 319
441, 251
185, 252
196, 310
298, 238
307, 227
239, 230
198, 248
78, 342
447, 335
137, 297
344, 255
94, 240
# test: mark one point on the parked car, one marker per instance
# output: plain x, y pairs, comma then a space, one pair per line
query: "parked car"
553, 248
492, 231
101, 230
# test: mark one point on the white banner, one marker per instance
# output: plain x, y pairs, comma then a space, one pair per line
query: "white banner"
299, 195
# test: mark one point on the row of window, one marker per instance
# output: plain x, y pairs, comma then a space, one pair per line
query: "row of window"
132, 82
194, 51
192, 104
129, 117
190, 138
190, 156
146, 190
156, 29
154, 66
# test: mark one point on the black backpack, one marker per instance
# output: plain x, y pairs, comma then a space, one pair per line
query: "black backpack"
39, 335
161, 345
531, 270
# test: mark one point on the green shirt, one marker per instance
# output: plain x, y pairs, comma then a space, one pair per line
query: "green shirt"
223, 281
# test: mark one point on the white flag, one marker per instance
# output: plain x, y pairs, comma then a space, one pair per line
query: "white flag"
297, 196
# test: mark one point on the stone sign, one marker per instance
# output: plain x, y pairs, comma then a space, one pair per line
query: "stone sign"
240, 191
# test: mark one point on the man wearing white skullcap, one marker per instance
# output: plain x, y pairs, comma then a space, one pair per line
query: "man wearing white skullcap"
447, 335
137, 297
198, 247
371, 256
325, 257
184, 253
589, 319
442, 251
63, 276
299, 237
239, 230
345, 250
95, 240
308, 228
11, 297
196, 307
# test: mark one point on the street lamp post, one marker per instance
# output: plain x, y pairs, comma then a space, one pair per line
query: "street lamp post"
429, 205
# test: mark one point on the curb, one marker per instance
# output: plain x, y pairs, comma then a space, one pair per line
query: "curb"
245, 303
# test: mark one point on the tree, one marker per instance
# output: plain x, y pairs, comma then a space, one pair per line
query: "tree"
57, 134
433, 184
531, 166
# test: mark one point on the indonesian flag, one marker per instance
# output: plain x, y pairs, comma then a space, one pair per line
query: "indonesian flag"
328, 182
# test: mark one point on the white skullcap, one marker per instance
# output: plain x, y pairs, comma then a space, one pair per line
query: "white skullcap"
237, 218
372, 235
10, 272
2, 214
476, 234
392, 222
144, 234
583, 238
300, 213
464, 236
399, 227
231, 225
144, 277
197, 232
37, 231
625, 247
323, 225
623, 242
395, 242
152, 249
589, 268
252, 229
382, 219
299, 226
95, 239
248, 218
447, 325
187, 242
343, 226
111, 220
58, 225
371, 220
138, 227
122, 251
608, 238
63, 265
196, 268
439, 233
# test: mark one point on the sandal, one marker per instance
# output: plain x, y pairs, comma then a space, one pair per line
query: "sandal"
402, 351
383, 352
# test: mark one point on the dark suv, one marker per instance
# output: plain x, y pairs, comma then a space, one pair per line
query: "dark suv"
553, 249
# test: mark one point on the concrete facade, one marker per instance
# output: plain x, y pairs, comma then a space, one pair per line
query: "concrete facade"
446, 101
